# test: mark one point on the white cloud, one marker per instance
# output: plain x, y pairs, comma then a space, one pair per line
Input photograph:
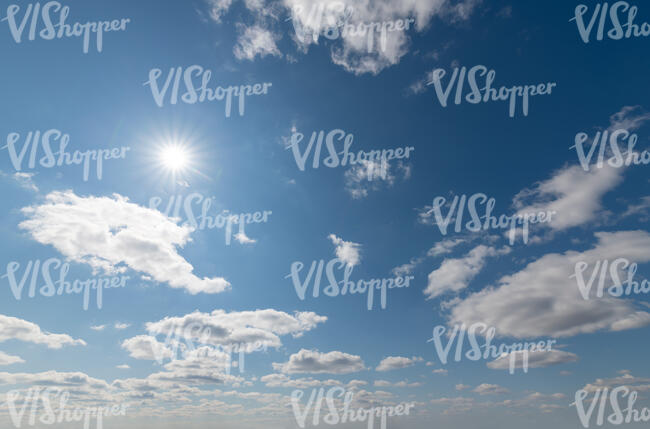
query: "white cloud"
25, 180
396, 362
123, 366
461, 387
12, 328
254, 41
445, 246
244, 239
312, 361
282, 380
575, 195
536, 359
120, 326
105, 232
218, 8
6, 359
98, 327
346, 251
351, 51
490, 389
249, 330
367, 176
455, 274
542, 299
628, 118
440, 371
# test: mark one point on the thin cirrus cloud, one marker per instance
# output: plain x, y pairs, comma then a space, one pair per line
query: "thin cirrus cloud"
13, 328
549, 302
315, 362
106, 232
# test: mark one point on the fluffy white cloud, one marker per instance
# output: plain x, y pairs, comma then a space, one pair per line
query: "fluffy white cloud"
282, 380
397, 362
6, 359
575, 195
542, 299
254, 41
536, 359
105, 232
641, 384
121, 326
490, 389
369, 52
13, 328
246, 330
346, 251
455, 274
312, 361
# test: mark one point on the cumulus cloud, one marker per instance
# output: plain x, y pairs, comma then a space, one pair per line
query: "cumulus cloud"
315, 362
282, 380
490, 389
397, 362
106, 232
6, 359
364, 51
543, 300
12, 328
254, 41
346, 251
247, 330
455, 274
536, 359
575, 195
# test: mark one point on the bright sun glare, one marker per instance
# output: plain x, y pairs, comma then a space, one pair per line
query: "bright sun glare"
174, 157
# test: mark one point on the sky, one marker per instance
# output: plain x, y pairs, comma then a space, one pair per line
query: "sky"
164, 158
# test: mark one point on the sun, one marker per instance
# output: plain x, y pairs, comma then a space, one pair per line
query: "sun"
174, 157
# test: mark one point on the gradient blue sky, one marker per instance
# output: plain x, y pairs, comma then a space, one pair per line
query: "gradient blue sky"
100, 100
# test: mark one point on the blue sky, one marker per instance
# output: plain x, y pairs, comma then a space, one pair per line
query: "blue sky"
243, 162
